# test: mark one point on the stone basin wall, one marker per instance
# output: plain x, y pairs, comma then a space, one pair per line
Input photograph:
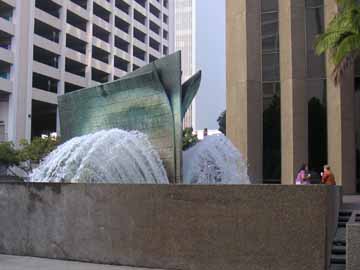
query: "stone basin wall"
254, 227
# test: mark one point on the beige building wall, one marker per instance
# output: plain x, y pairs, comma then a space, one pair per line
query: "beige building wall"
294, 114
302, 77
341, 120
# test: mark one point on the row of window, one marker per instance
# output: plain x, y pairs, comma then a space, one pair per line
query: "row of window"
53, 34
51, 59
49, 84
54, 9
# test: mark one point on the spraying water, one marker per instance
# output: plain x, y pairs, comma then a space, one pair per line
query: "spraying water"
215, 160
107, 156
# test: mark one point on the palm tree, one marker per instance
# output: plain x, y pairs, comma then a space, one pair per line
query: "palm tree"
342, 38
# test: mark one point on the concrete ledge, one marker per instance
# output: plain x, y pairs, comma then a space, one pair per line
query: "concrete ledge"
29, 263
253, 227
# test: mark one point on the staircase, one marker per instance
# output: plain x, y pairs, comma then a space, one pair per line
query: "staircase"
338, 251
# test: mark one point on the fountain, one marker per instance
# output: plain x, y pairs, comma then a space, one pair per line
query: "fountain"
215, 160
130, 131
107, 156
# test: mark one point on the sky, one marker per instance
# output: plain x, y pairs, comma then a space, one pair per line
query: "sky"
210, 58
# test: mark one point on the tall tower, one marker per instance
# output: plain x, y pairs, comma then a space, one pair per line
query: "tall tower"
185, 41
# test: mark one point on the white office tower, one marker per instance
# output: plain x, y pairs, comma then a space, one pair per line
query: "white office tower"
51, 47
185, 40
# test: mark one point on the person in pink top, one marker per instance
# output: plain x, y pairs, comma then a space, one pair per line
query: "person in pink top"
302, 177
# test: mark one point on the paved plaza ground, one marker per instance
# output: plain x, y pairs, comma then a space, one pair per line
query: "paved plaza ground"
29, 263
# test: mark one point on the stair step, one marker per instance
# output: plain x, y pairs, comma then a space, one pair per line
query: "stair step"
340, 235
345, 213
337, 267
338, 259
343, 218
342, 224
339, 249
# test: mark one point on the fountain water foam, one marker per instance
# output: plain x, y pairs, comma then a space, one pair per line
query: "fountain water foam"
215, 160
107, 156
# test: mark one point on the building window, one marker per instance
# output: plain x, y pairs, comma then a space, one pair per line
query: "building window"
154, 27
101, 12
44, 83
99, 76
46, 31
165, 50
100, 54
49, 7
75, 67
155, 11
101, 33
165, 19
45, 57
5, 69
69, 87
121, 44
139, 17
123, 6
76, 21
6, 11
81, 3
314, 27
121, 64
141, 2
139, 35
154, 44
5, 40
75, 44
122, 25
271, 91
152, 58
165, 34
139, 53
43, 118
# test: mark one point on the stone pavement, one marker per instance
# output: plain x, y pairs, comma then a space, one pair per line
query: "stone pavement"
29, 263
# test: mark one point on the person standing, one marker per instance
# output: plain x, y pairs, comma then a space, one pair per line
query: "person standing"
327, 177
302, 177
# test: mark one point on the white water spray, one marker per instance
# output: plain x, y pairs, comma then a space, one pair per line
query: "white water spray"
107, 156
215, 160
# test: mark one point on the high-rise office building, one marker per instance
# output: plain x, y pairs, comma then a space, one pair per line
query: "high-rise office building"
185, 41
52, 47
283, 108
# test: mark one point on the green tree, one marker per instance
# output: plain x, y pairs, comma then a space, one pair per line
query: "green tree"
189, 139
342, 38
222, 122
8, 154
35, 151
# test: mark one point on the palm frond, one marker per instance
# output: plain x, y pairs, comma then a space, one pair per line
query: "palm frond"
341, 68
346, 47
342, 38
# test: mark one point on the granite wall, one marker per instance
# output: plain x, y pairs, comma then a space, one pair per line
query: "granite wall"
253, 227
353, 242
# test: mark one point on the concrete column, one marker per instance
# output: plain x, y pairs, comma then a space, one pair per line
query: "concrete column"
20, 99
244, 88
89, 31
294, 107
62, 61
112, 41
341, 119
